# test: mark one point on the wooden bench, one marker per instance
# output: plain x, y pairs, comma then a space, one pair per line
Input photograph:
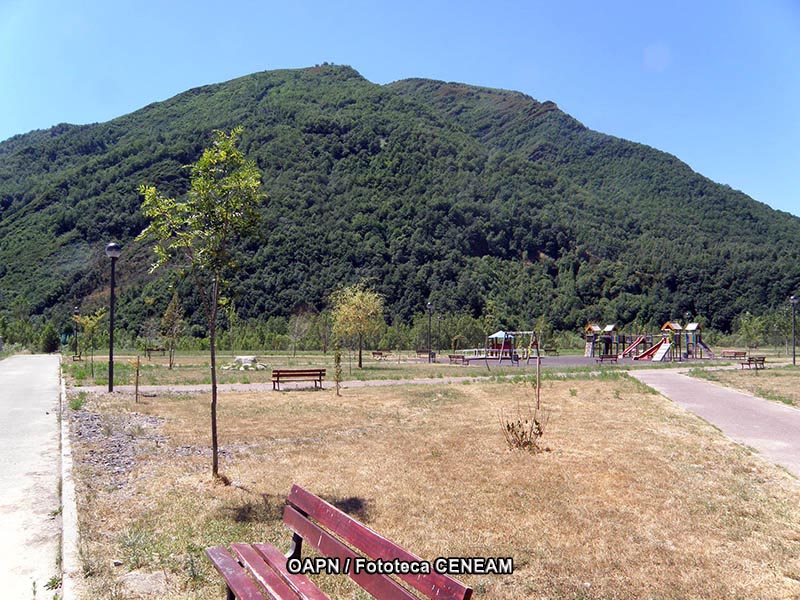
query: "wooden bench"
260, 571
379, 354
606, 358
458, 359
149, 351
734, 354
282, 375
754, 362
550, 349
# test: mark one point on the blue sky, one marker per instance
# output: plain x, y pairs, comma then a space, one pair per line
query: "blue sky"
716, 83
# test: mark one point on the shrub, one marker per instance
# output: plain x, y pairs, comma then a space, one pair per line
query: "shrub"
525, 431
49, 341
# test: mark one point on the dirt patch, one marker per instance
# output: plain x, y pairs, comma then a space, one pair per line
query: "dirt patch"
111, 443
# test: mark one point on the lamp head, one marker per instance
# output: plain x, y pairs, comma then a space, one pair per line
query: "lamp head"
113, 250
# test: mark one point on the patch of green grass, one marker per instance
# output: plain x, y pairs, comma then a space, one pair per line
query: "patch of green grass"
138, 546
767, 394
77, 401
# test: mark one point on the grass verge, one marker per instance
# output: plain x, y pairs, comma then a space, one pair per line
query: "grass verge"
779, 384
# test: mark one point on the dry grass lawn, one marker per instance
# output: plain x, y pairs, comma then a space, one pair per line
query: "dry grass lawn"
193, 369
635, 499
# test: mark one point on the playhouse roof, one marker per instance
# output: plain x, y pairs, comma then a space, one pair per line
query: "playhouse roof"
693, 327
501, 335
610, 328
671, 325
594, 327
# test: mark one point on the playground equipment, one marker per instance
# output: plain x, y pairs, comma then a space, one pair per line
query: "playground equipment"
668, 347
695, 346
607, 341
591, 332
601, 342
502, 345
631, 348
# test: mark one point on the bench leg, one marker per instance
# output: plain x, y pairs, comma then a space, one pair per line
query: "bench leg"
297, 546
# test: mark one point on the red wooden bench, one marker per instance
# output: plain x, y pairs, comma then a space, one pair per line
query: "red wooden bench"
260, 571
754, 362
603, 358
279, 375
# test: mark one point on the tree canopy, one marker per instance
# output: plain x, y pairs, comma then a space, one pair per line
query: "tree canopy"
357, 312
200, 230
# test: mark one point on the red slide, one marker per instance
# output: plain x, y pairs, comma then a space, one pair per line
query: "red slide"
648, 354
629, 350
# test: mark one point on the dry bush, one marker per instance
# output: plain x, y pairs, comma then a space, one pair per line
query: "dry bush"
525, 431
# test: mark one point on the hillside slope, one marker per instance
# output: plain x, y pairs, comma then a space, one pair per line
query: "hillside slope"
437, 191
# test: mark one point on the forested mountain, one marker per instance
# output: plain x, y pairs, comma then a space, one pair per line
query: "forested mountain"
438, 192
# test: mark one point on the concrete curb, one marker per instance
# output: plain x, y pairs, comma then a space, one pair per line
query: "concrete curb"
71, 572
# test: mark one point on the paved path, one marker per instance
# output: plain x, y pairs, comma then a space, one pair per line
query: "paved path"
29, 475
771, 428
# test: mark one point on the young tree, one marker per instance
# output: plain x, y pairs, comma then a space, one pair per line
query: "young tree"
151, 334
751, 329
200, 229
357, 312
172, 325
233, 325
90, 325
299, 324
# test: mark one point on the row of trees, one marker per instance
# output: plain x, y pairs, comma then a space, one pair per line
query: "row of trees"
314, 331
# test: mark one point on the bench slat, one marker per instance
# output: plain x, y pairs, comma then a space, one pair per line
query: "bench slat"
380, 586
235, 577
374, 545
298, 372
302, 586
264, 571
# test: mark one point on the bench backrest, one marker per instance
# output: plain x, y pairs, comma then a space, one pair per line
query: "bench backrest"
329, 530
298, 372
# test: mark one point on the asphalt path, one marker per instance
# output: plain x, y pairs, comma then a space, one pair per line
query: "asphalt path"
770, 427
29, 475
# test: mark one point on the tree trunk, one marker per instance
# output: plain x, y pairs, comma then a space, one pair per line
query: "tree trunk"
359, 351
212, 335
171, 353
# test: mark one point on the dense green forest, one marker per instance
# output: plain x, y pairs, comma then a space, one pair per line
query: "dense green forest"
483, 202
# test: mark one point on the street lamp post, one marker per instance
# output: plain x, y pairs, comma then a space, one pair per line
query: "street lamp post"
75, 313
112, 251
439, 333
430, 312
793, 300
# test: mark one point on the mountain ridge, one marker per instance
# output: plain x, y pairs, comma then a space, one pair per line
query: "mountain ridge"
437, 191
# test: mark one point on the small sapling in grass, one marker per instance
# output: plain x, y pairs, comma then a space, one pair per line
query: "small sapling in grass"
525, 430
